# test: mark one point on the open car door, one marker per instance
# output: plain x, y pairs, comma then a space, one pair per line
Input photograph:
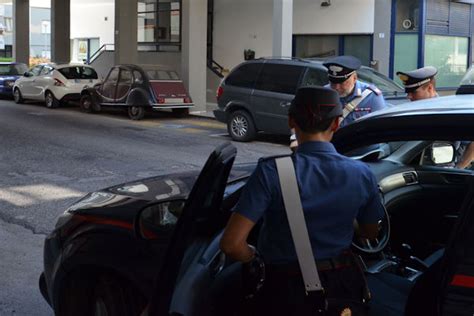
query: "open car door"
197, 226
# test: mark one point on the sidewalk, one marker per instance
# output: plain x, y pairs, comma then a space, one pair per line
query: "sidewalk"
207, 113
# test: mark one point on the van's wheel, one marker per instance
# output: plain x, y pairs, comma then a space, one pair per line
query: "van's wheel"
17, 96
50, 100
180, 112
86, 103
241, 126
101, 295
136, 112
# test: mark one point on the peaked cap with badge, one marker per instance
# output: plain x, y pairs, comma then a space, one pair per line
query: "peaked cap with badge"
340, 68
414, 79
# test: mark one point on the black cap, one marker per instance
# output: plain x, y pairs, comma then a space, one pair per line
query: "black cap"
414, 79
313, 103
341, 67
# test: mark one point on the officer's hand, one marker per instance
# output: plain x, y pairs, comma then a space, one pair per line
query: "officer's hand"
294, 145
253, 276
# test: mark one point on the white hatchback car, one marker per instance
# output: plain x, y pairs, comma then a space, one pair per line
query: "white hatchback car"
54, 84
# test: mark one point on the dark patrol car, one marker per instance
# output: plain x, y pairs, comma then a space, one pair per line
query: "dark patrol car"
137, 90
255, 96
157, 239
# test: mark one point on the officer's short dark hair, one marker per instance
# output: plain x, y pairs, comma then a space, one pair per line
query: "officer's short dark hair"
315, 108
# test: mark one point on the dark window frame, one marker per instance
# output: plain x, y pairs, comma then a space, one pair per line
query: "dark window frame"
158, 44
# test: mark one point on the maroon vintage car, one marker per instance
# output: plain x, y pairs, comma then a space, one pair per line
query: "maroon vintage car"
138, 89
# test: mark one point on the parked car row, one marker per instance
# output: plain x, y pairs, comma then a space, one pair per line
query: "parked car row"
134, 88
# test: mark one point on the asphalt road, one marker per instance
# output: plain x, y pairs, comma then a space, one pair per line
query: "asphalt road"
50, 158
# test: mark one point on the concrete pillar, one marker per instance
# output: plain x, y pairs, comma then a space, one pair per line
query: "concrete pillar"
194, 50
126, 30
282, 28
21, 29
382, 24
61, 31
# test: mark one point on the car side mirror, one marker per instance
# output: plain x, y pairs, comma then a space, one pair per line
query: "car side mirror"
442, 153
154, 221
27, 74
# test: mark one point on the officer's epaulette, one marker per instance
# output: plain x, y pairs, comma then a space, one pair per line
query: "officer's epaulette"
376, 90
273, 157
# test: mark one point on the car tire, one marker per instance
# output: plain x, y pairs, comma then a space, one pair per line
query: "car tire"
241, 126
86, 103
136, 112
100, 294
50, 100
17, 96
180, 112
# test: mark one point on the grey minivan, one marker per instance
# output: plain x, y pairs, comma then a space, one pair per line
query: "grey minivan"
256, 95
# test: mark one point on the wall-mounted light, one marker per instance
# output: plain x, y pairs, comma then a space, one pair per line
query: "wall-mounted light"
326, 3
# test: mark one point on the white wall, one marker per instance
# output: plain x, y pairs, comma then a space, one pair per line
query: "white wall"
239, 25
247, 24
341, 17
88, 21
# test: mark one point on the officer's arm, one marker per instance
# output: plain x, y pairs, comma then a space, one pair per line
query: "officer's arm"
467, 157
234, 241
369, 231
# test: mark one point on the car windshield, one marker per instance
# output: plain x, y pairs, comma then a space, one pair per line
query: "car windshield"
468, 79
382, 82
13, 70
381, 150
78, 72
161, 74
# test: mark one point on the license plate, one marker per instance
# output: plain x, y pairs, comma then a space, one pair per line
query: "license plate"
174, 100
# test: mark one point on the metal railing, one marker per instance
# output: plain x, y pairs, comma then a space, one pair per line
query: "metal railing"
216, 68
103, 48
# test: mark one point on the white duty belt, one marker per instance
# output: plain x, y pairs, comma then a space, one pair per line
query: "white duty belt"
298, 228
351, 106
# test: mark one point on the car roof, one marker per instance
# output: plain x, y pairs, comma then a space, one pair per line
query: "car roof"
60, 66
442, 118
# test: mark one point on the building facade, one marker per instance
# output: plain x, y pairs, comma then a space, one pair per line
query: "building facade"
217, 35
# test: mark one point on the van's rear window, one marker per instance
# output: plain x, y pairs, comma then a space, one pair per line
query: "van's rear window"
78, 72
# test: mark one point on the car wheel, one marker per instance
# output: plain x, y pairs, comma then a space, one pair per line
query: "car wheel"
136, 112
180, 112
17, 96
241, 126
50, 100
101, 294
86, 103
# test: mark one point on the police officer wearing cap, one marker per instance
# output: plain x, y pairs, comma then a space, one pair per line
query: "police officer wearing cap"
356, 97
334, 191
420, 84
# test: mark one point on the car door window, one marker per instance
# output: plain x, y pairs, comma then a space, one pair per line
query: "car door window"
46, 71
244, 76
124, 84
108, 88
138, 78
279, 78
36, 70
315, 77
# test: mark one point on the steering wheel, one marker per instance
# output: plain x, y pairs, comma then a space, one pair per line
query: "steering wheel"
371, 246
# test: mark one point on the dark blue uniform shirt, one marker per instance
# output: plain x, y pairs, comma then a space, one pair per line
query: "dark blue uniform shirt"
373, 102
334, 190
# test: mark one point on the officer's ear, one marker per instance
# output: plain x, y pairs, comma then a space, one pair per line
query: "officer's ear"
291, 122
335, 124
